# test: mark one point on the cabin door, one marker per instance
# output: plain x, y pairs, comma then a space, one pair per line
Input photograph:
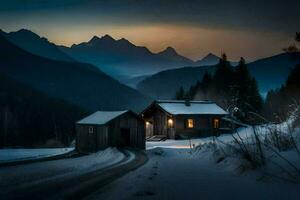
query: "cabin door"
125, 137
149, 129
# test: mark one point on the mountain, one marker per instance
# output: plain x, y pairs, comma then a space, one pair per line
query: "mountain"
171, 54
270, 73
122, 58
29, 117
35, 44
133, 81
165, 84
73, 82
209, 59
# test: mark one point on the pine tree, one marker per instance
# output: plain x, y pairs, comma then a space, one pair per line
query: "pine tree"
223, 74
293, 47
255, 99
193, 90
293, 83
247, 92
223, 82
297, 37
180, 95
229, 87
206, 82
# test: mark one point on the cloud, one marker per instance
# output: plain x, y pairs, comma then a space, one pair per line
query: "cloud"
248, 28
276, 15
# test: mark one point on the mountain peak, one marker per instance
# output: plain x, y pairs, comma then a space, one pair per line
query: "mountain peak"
94, 39
210, 56
209, 59
123, 40
25, 34
26, 31
107, 37
168, 51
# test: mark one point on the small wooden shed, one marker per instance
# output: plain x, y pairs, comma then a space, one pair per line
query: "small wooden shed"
110, 128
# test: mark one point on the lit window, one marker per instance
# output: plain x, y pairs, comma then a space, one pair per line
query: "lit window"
91, 129
216, 123
170, 123
190, 123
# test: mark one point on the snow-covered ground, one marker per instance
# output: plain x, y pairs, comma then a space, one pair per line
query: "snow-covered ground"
12, 155
175, 174
187, 144
177, 171
56, 169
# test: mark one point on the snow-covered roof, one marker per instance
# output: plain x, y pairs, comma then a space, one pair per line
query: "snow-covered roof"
176, 107
101, 117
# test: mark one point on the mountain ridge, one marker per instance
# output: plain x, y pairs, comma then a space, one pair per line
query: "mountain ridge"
121, 57
33, 43
270, 73
73, 82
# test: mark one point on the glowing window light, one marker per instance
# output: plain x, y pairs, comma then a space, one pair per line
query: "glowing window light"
216, 123
190, 123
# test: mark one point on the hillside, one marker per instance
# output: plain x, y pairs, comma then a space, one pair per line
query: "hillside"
164, 85
35, 44
75, 82
29, 117
270, 73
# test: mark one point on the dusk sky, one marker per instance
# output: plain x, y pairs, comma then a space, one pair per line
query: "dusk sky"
252, 29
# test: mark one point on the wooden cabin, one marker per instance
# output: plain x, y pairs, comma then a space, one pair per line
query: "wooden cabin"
181, 119
110, 128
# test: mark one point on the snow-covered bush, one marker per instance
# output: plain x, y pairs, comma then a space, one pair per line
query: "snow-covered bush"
282, 141
248, 150
270, 148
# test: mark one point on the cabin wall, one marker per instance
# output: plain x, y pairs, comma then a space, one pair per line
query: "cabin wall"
135, 126
203, 125
160, 122
91, 142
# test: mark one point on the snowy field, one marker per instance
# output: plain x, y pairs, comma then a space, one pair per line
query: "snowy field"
11, 155
177, 171
34, 173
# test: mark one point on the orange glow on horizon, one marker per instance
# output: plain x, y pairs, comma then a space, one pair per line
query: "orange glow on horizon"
190, 41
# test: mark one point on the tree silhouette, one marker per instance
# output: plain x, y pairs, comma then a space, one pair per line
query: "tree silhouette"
297, 37
293, 47
230, 87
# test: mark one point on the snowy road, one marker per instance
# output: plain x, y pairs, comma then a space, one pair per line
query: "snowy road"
174, 173
52, 179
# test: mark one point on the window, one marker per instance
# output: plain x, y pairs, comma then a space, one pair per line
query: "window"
91, 129
190, 123
216, 123
170, 123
